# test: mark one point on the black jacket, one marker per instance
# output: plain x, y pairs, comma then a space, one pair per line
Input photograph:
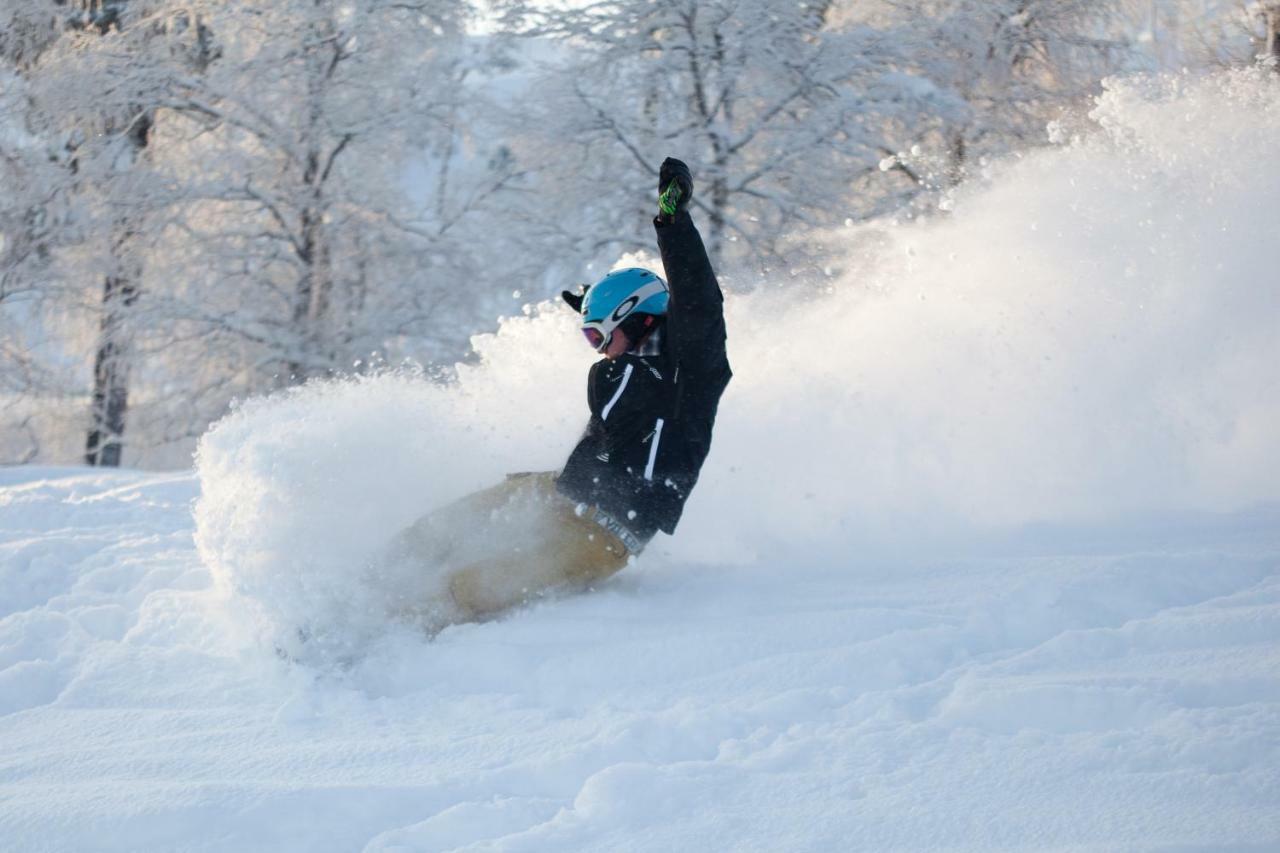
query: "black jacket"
651, 416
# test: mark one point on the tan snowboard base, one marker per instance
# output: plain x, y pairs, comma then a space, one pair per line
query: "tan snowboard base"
508, 544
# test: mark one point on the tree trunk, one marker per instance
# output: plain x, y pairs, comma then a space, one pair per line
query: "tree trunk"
315, 284
1271, 15
110, 376
957, 155
311, 306
718, 218
111, 361
304, 300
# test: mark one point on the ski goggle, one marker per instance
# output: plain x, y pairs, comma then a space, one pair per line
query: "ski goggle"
596, 337
600, 332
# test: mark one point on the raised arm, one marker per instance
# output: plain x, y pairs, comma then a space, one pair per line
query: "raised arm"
695, 316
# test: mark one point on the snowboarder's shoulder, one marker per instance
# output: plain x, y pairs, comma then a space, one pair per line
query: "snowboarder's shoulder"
612, 370
630, 368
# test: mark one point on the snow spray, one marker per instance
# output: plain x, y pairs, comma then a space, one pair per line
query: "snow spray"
1090, 333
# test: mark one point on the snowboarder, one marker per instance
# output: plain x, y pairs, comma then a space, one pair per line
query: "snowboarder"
653, 400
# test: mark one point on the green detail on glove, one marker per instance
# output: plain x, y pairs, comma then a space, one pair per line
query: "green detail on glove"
669, 201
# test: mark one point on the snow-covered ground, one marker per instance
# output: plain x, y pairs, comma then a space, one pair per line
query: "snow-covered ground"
1122, 696
986, 556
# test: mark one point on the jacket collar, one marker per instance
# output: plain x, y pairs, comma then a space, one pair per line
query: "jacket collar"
652, 345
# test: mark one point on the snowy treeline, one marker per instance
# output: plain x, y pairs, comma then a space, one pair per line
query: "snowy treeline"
203, 200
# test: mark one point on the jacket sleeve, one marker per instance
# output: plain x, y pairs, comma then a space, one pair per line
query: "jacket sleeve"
695, 317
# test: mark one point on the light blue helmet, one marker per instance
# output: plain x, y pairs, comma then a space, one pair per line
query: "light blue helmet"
617, 296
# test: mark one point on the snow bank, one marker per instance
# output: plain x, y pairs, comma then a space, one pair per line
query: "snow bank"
1091, 334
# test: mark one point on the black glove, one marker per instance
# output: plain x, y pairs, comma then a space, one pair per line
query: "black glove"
575, 299
675, 188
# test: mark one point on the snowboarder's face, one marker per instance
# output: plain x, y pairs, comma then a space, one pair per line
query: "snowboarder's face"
618, 344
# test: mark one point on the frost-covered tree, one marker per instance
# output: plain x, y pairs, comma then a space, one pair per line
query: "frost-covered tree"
67, 201
98, 86
309, 249
29, 175
1012, 64
1269, 40
778, 111
1173, 35
270, 191
1271, 30
206, 199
